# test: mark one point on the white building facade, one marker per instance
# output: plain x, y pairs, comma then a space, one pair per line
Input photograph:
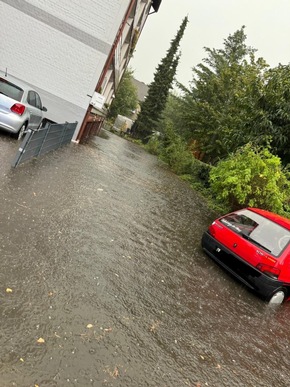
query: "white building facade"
68, 49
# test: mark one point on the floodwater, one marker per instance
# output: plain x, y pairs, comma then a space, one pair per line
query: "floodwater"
104, 283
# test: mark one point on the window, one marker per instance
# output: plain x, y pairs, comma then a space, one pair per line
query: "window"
259, 230
10, 90
240, 223
38, 101
31, 99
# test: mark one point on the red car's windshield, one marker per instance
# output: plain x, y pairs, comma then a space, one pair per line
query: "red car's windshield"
259, 230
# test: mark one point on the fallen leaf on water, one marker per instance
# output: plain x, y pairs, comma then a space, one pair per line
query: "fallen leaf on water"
8, 290
115, 372
154, 326
41, 340
89, 326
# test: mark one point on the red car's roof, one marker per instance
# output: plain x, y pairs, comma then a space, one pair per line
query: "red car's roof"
284, 222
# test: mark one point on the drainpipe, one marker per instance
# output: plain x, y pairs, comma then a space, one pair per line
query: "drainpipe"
106, 67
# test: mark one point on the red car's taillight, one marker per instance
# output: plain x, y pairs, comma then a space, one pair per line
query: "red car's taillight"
18, 108
270, 271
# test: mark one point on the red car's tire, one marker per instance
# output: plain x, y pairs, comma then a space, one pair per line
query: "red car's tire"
278, 297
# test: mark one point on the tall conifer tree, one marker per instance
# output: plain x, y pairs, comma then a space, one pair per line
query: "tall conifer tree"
154, 104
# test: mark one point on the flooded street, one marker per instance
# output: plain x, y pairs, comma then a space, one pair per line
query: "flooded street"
104, 283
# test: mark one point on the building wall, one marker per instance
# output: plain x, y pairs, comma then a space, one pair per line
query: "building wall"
60, 47
125, 47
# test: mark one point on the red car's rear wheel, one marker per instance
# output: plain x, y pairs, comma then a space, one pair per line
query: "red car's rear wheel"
278, 297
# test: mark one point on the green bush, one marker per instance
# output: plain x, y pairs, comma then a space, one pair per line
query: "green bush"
177, 156
153, 146
253, 177
201, 172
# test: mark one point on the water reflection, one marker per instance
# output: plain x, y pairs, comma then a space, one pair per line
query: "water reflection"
100, 246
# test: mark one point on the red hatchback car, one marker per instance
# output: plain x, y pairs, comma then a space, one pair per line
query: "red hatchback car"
253, 245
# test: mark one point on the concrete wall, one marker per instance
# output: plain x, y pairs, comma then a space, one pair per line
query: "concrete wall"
60, 47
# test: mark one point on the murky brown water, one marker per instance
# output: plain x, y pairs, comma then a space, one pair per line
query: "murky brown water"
100, 246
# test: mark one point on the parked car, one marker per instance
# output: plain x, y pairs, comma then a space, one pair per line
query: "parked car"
20, 106
253, 245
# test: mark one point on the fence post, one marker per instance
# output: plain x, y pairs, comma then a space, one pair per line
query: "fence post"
22, 148
44, 138
63, 132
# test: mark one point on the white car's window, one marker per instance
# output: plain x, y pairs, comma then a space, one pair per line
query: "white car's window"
264, 233
10, 90
38, 101
31, 99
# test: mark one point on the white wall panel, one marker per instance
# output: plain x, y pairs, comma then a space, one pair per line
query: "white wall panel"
60, 47
97, 17
48, 58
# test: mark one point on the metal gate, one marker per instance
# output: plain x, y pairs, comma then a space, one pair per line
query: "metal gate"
39, 142
92, 128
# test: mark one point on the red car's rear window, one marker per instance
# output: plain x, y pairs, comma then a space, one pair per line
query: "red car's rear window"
259, 230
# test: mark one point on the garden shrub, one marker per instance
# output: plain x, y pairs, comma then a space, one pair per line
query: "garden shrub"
201, 172
177, 156
153, 146
174, 151
253, 177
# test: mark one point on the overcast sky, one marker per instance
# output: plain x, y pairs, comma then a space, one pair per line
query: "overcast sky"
210, 22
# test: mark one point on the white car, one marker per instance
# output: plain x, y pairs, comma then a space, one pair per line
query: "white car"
20, 106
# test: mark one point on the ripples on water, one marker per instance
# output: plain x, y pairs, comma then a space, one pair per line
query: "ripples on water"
104, 235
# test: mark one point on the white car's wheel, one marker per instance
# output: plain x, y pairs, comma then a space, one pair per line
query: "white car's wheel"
21, 132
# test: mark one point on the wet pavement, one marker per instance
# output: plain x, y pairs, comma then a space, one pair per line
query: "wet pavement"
104, 283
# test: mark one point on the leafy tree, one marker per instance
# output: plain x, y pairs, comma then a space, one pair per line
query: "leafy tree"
252, 176
275, 103
153, 106
172, 113
126, 97
221, 104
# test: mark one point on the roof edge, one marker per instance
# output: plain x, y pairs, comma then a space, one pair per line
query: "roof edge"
156, 4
